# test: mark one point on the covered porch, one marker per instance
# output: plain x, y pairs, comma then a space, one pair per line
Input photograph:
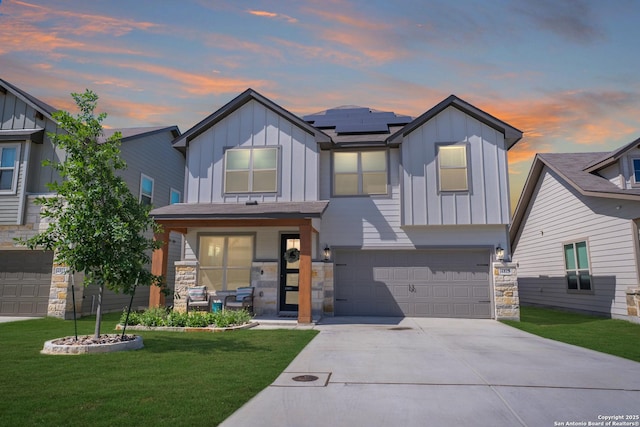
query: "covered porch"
265, 226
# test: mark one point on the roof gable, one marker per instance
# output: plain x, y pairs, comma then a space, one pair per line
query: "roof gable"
235, 104
40, 106
511, 134
132, 133
608, 159
572, 169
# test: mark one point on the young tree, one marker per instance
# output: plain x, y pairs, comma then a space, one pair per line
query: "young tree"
96, 225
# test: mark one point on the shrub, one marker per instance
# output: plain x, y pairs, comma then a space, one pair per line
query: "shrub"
159, 316
198, 319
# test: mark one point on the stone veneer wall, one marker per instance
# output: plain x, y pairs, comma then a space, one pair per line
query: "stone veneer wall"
505, 285
186, 277
265, 279
633, 304
60, 297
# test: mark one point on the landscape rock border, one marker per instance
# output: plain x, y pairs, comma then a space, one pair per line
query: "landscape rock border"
50, 347
249, 325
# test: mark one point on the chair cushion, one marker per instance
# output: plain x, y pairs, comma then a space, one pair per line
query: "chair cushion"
241, 293
198, 293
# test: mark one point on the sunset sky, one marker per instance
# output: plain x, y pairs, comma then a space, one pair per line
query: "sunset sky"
564, 72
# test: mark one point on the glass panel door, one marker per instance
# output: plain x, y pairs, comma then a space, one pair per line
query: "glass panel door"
289, 271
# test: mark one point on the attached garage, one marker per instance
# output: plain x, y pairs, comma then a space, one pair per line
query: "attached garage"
25, 280
417, 283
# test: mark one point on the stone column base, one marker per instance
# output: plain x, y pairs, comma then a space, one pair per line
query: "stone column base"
633, 302
505, 291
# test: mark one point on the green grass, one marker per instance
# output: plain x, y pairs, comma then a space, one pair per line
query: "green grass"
177, 379
617, 337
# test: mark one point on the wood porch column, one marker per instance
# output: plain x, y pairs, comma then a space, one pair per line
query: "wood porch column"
304, 283
159, 261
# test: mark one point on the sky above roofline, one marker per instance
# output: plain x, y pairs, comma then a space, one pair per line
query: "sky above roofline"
565, 73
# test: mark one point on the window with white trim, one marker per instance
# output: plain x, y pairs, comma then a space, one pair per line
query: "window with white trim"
576, 262
251, 170
452, 168
146, 190
175, 197
225, 261
359, 173
9, 158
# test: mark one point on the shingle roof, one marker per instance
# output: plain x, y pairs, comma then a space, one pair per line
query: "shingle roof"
575, 170
572, 167
313, 209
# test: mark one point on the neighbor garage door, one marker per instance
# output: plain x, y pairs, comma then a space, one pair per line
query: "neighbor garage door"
415, 283
25, 279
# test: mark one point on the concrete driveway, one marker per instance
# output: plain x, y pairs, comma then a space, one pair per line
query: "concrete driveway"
444, 372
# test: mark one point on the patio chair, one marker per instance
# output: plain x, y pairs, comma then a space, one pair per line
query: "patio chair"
198, 297
243, 298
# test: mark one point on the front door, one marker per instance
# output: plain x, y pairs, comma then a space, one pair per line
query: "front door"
289, 271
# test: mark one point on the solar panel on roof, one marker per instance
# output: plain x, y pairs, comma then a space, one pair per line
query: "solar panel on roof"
356, 120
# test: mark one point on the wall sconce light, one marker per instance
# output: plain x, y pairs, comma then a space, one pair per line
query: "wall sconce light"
327, 253
499, 253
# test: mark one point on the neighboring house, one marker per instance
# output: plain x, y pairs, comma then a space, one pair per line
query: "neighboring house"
29, 283
390, 215
575, 232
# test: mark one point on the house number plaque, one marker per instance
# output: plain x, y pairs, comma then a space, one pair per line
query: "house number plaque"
505, 271
60, 270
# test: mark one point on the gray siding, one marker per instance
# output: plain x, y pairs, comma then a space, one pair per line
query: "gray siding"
154, 156
17, 114
557, 214
486, 202
253, 125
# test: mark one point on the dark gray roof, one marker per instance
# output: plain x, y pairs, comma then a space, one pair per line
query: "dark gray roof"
511, 134
237, 102
39, 105
356, 120
130, 133
573, 169
609, 158
313, 209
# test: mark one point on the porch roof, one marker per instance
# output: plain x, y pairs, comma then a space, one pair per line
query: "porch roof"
179, 211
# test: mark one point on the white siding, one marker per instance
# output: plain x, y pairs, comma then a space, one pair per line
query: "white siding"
486, 202
558, 214
253, 125
375, 222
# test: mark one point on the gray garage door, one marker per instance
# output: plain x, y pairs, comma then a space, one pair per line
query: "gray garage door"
25, 279
415, 283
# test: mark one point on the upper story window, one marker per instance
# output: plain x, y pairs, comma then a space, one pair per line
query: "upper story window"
576, 262
636, 170
146, 190
251, 170
359, 173
452, 168
175, 197
9, 155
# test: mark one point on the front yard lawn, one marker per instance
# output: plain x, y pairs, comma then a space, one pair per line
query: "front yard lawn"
177, 379
617, 337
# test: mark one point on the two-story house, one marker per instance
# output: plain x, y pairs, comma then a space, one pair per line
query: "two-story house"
350, 211
30, 285
575, 232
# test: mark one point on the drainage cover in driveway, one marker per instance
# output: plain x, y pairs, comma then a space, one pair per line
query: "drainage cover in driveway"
301, 379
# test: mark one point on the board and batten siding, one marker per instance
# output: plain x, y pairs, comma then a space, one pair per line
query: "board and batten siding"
253, 125
558, 214
374, 222
486, 202
16, 114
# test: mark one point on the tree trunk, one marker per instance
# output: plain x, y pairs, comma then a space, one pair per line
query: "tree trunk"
99, 312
